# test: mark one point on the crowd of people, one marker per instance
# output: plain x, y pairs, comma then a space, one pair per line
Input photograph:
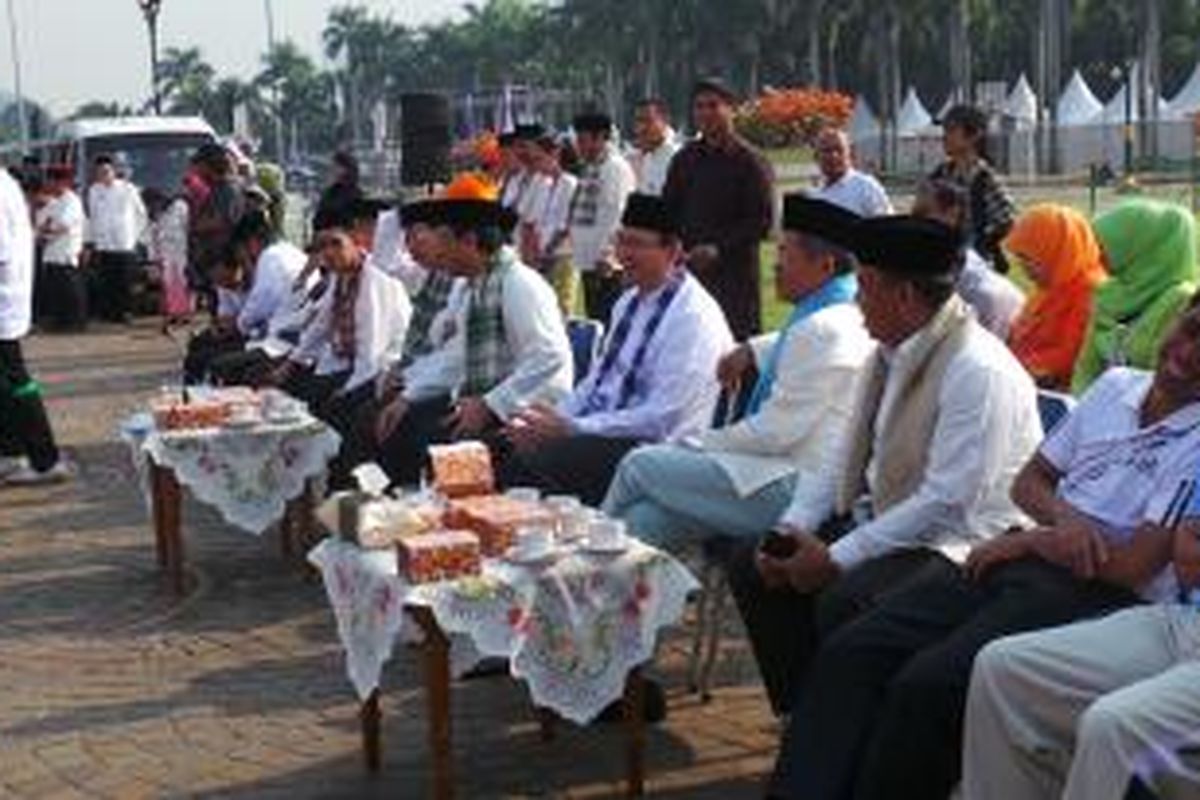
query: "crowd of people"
936, 589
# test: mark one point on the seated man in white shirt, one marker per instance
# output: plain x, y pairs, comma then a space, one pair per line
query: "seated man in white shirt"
944, 419
892, 685
1099, 710
996, 300
841, 183
514, 345
780, 462
357, 324
273, 281
653, 380
222, 337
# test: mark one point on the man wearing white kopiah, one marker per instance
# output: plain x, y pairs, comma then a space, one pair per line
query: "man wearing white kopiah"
653, 380
841, 183
780, 462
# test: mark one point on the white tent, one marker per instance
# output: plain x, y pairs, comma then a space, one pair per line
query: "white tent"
1077, 105
1022, 103
913, 119
1114, 111
863, 121
1187, 100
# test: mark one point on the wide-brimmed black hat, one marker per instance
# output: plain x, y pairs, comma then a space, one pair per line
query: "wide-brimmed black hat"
820, 218
529, 131
651, 213
417, 212
462, 213
909, 247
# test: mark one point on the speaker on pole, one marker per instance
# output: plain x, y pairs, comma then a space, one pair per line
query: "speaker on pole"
424, 138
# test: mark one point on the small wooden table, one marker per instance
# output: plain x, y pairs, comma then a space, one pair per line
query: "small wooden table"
436, 649
166, 500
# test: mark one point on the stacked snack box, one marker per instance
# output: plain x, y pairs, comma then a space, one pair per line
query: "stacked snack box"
496, 518
187, 416
462, 469
439, 556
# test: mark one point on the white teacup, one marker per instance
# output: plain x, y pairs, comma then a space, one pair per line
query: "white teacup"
525, 494
533, 542
605, 533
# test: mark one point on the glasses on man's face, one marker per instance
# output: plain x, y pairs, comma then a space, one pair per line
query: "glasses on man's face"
635, 242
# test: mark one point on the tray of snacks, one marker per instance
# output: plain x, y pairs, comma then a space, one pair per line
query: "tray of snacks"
496, 518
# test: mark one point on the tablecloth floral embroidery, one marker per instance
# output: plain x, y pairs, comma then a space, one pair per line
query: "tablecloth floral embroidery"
572, 632
248, 475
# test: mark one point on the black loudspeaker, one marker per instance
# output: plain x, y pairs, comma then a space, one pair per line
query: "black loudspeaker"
424, 138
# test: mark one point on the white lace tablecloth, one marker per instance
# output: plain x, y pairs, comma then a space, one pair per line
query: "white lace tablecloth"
248, 474
572, 632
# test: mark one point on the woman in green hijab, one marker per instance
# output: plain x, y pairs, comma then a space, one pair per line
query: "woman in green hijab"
1150, 252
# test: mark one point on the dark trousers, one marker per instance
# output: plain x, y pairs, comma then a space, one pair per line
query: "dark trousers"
785, 626
242, 368
317, 391
578, 465
114, 273
205, 348
404, 454
882, 706
352, 415
600, 294
65, 297
24, 426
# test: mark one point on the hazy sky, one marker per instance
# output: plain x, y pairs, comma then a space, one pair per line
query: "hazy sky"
78, 50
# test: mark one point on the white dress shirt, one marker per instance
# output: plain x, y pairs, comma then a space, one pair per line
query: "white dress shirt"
229, 302
439, 371
390, 252
16, 261
857, 192
275, 271
650, 166
675, 387
995, 298
987, 428
530, 204
63, 214
116, 216
382, 311
537, 339
514, 189
802, 427
554, 213
610, 182
1118, 472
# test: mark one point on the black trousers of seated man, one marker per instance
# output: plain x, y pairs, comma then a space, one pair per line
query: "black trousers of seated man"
353, 415
316, 391
405, 454
205, 348
24, 427
249, 367
880, 712
579, 465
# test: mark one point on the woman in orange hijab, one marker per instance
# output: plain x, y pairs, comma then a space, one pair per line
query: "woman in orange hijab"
1059, 253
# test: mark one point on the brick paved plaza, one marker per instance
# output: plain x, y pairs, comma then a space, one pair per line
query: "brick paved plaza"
111, 688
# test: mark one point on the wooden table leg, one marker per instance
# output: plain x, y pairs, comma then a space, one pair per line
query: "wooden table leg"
437, 691
547, 723
371, 716
635, 720
168, 512
157, 501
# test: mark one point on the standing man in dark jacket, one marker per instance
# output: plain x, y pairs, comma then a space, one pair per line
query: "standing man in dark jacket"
722, 191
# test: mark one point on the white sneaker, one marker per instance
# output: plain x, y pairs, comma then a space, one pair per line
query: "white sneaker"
61, 472
11, 464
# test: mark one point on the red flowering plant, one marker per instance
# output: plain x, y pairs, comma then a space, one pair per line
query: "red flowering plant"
792, 117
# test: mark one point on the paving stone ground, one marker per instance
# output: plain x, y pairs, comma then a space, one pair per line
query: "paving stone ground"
110, 688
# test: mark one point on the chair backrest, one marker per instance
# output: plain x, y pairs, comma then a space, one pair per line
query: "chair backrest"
1053, 408
585, 336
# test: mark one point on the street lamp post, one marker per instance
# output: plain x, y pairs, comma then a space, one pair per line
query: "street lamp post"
150, 9
1124, 72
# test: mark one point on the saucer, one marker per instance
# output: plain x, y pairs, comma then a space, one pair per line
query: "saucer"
538, 557
609, 548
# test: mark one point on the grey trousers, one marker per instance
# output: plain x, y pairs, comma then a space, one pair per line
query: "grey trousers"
1079, 711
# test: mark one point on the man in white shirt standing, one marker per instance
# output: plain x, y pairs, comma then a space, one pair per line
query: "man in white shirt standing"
779, 463
604, 183
549, 241
28, 454
60, 227
841, 183
514, 344
944, 420
653, 380
116, 219
656, 144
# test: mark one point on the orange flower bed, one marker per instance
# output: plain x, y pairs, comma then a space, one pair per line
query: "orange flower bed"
792, 117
